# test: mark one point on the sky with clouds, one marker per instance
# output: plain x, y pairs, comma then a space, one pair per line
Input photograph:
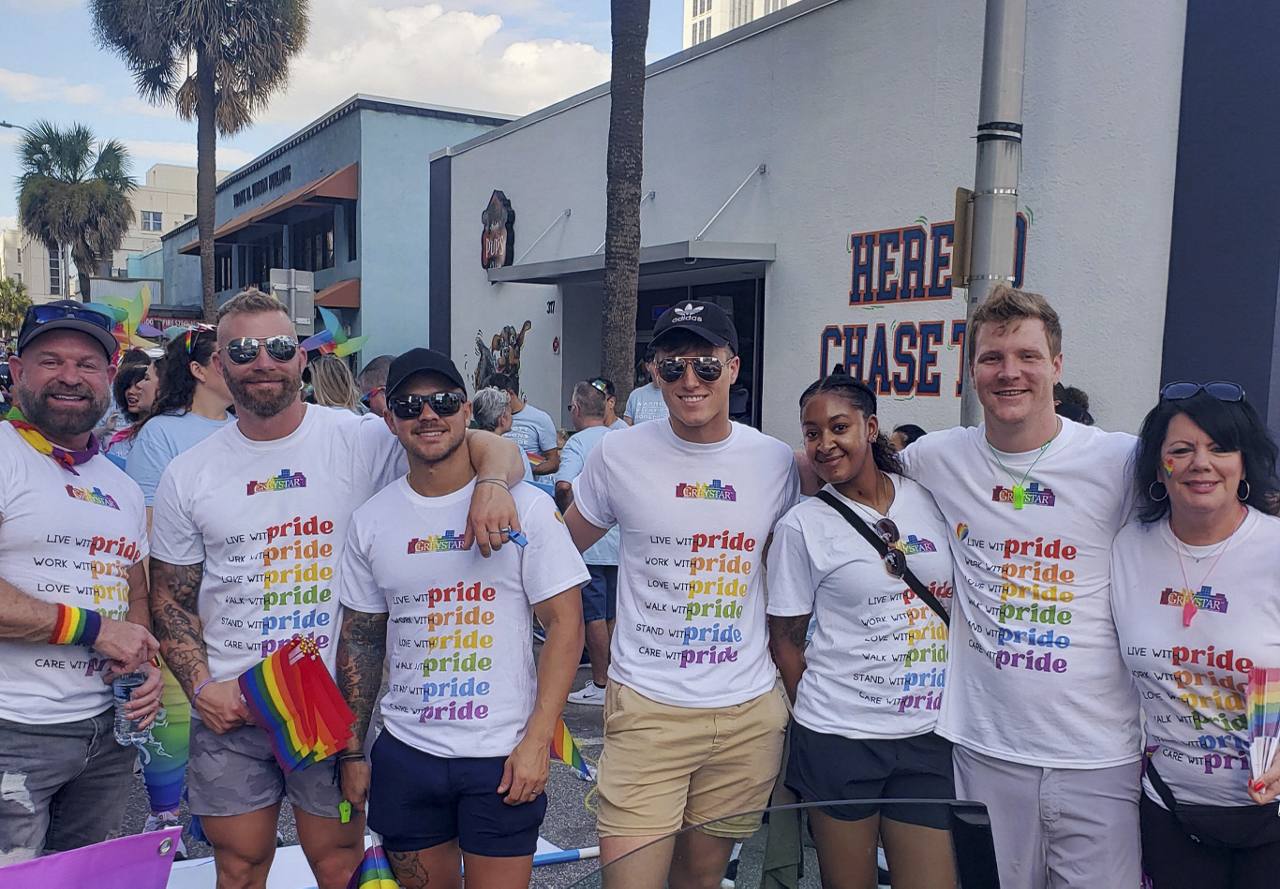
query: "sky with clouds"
510, 56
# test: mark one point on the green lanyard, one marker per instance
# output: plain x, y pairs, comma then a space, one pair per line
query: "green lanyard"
1019, 488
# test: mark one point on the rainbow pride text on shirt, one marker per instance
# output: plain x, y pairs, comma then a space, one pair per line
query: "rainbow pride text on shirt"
703, 491
436, 543
281, 482
94, 496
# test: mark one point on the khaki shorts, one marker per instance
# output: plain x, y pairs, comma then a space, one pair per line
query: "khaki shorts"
664, 768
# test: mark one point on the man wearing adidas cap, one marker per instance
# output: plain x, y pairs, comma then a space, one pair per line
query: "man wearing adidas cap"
694, 497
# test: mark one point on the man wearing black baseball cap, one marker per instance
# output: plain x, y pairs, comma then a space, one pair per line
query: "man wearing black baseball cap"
73, 534
695, 498
463, 762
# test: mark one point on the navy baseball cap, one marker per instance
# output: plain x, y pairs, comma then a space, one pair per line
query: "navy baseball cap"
421, 360
67, 314
704, 319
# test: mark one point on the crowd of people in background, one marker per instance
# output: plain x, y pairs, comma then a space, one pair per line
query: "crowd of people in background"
1051, 619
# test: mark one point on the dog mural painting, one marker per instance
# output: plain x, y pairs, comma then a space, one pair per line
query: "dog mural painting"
501, 355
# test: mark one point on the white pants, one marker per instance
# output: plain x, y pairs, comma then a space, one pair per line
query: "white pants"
1057, 828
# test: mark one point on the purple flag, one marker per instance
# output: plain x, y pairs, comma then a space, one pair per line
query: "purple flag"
137, 862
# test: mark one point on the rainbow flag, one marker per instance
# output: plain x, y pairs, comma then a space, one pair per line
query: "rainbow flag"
1262, 704
294, 699
566, 751
374, 871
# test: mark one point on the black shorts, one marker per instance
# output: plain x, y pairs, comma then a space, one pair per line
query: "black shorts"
417, 801
1172, 860
600, 593
830, 767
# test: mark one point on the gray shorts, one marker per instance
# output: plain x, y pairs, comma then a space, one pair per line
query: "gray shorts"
237, 773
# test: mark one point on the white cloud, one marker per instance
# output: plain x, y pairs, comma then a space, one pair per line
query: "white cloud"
19, 86
428, 53
147, 152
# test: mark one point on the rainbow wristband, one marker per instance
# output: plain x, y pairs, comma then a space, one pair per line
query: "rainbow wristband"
76, 626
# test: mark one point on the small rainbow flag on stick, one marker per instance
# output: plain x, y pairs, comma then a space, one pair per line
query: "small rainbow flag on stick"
374, 871
566, 751
294, 699
1262, 703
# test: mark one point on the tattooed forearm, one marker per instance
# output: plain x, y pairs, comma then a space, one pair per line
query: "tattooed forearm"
175, 618
786, 644
793, 629
362, 647
409, 870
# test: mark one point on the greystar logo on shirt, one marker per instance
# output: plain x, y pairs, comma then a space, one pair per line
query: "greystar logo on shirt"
282, 482
1205, 600
688, 314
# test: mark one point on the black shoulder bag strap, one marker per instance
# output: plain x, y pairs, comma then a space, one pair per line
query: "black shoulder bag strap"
883, 549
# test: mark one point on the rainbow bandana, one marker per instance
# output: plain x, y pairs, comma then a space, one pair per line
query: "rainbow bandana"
294, 699
68, 460
374, 872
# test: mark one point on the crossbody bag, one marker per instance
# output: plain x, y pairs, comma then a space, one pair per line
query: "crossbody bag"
1222, 827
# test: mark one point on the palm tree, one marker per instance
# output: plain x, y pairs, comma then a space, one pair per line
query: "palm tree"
14, 303
241, 51
73, 190
624, 167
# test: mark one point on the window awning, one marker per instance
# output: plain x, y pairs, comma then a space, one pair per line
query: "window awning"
343, 295
343, 185
655, 260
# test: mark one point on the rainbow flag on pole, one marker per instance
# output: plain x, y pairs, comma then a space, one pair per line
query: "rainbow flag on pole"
566, 751
374, 871
294, 699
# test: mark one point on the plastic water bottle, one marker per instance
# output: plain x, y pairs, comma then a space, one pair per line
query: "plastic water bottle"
126, 730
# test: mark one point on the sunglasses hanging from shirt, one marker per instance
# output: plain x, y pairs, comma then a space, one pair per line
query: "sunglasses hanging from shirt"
895, 560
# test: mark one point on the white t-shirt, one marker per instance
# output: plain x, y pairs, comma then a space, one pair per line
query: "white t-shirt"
877, 663
1036, 675
269, 519
1192, 680
67, 539
463, 682
646, 403
533, 430
693, 521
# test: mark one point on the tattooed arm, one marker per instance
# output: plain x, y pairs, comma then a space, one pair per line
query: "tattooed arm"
786, 644
362, 651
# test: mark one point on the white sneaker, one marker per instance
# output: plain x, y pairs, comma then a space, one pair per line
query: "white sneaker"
590, 694
164, 821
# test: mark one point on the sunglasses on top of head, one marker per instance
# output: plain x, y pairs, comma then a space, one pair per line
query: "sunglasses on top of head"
707, 368
245, 349
442, 404
1222, 390
43, 314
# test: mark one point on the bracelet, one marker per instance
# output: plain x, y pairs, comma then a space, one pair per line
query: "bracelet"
199, 688
347, 755
75, 626
494, 481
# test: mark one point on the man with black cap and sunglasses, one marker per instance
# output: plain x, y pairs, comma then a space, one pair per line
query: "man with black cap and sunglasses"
459, 772
73, 594
695, 497
248, 527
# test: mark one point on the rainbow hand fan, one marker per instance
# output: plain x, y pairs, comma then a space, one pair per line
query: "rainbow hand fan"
296, 702
333, 340
1263, 706
566, 751
374, 871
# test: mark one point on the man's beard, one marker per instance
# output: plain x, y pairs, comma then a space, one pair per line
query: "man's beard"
260, 404
58, 420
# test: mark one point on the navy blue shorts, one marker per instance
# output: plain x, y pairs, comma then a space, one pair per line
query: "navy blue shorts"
600, 594
417, 801
823, 767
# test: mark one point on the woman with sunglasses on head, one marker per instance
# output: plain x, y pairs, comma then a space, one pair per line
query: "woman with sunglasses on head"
866, 690
135, 390
1196, 599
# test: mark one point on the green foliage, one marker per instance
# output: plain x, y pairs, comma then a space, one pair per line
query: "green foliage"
14, 303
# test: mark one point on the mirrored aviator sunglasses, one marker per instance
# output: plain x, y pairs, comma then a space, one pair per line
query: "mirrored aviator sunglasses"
410, 407
707, 368
1222, 390
245, 349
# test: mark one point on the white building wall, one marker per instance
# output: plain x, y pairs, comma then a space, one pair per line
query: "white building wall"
864, 112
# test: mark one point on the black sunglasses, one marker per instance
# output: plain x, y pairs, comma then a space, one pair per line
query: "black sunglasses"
1222, 390
442, 404
895, 561
46, 313
245, 349
706, 367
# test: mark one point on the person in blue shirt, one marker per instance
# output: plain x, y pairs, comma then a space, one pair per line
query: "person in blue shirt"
531, 428
600, 595
491, 411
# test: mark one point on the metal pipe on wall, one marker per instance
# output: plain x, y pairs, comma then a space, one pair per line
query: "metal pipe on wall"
999, 163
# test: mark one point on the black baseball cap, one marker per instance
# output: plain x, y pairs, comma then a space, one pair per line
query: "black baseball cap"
703, 319
67, 314
420, 360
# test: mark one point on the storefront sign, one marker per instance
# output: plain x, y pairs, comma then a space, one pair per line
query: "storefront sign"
498, 235
261, 186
